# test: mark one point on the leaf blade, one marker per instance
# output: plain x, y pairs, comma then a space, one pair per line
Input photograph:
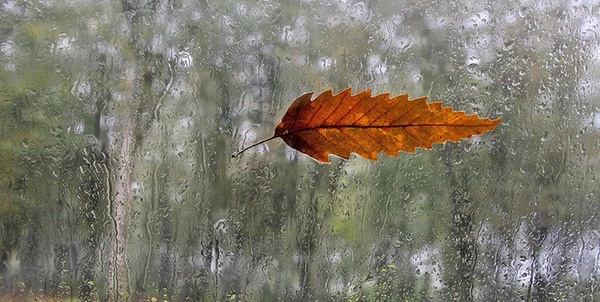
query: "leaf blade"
342, 124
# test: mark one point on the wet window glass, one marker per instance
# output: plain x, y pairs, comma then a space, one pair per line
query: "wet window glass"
118, 120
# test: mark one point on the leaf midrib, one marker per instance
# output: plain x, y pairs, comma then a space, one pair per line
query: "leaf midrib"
390, 126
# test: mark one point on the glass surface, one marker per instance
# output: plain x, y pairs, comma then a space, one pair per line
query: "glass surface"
118, 120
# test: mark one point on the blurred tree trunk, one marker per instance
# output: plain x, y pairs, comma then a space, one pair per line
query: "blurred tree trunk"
121, 197
134, 113
462, 255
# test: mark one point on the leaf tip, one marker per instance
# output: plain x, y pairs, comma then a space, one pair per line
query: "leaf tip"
496, 122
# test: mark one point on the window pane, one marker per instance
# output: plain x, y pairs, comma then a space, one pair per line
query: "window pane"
119, 119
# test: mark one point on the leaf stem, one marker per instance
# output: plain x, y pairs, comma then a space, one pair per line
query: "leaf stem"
236, 154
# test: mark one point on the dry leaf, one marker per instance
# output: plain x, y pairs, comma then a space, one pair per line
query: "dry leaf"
366, 125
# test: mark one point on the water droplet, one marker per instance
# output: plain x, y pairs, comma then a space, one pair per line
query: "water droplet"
472, 67
508, 46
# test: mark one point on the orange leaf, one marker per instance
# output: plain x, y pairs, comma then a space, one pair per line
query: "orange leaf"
366, 125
